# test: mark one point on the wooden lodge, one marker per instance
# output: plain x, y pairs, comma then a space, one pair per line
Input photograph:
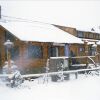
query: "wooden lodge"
30, 54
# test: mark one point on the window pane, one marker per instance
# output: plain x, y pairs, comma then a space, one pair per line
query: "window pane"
35, 51
90, 35
14, 52
80, 34
52, 51
9, 36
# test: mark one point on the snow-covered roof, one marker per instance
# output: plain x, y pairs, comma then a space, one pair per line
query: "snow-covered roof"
40, 32
92, 30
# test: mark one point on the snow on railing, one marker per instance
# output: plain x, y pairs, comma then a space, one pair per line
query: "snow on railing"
68, 72
64, 72
63, 57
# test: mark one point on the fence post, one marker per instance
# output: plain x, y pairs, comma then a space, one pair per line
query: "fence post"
76, 75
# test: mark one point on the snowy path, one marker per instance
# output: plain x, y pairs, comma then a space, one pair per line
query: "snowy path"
80, 89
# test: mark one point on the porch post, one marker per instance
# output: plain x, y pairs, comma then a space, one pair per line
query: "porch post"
86, 51
67, 50
67, 54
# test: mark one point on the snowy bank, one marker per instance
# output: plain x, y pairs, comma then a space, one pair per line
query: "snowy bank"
86, 88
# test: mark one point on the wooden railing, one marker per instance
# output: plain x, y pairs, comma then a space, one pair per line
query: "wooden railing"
97, 68
76, 72
64, 72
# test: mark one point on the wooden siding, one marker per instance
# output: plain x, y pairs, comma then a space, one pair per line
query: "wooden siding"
68, 29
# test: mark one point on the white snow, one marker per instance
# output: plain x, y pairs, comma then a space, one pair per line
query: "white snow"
98, 43
89, 29
84, 88
40, 32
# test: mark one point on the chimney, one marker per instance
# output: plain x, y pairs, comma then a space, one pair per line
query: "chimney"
92, 29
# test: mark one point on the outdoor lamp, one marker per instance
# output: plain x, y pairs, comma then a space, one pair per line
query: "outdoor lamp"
8, 44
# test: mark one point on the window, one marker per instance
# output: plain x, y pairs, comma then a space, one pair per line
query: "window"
94, 36
90, 35
80, 34
14, 52
97, 36
9, 36
53, 51
86, 35
92, 51
35, 51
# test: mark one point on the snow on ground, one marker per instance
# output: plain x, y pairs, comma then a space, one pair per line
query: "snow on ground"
84, 88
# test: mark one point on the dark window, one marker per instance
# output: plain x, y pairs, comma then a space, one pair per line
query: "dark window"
9, 36
90, 35
92, 51
35, 51
52, 51
14, 52
80, 34
97, 36
94, 36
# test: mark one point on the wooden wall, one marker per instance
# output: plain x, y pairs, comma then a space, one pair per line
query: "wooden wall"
68, 29
2, 48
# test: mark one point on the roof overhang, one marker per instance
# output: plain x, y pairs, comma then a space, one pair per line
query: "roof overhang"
40, 32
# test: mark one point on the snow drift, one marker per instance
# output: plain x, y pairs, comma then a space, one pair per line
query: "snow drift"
84, 88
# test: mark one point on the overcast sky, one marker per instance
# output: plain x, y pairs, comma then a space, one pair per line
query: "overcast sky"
68, 13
